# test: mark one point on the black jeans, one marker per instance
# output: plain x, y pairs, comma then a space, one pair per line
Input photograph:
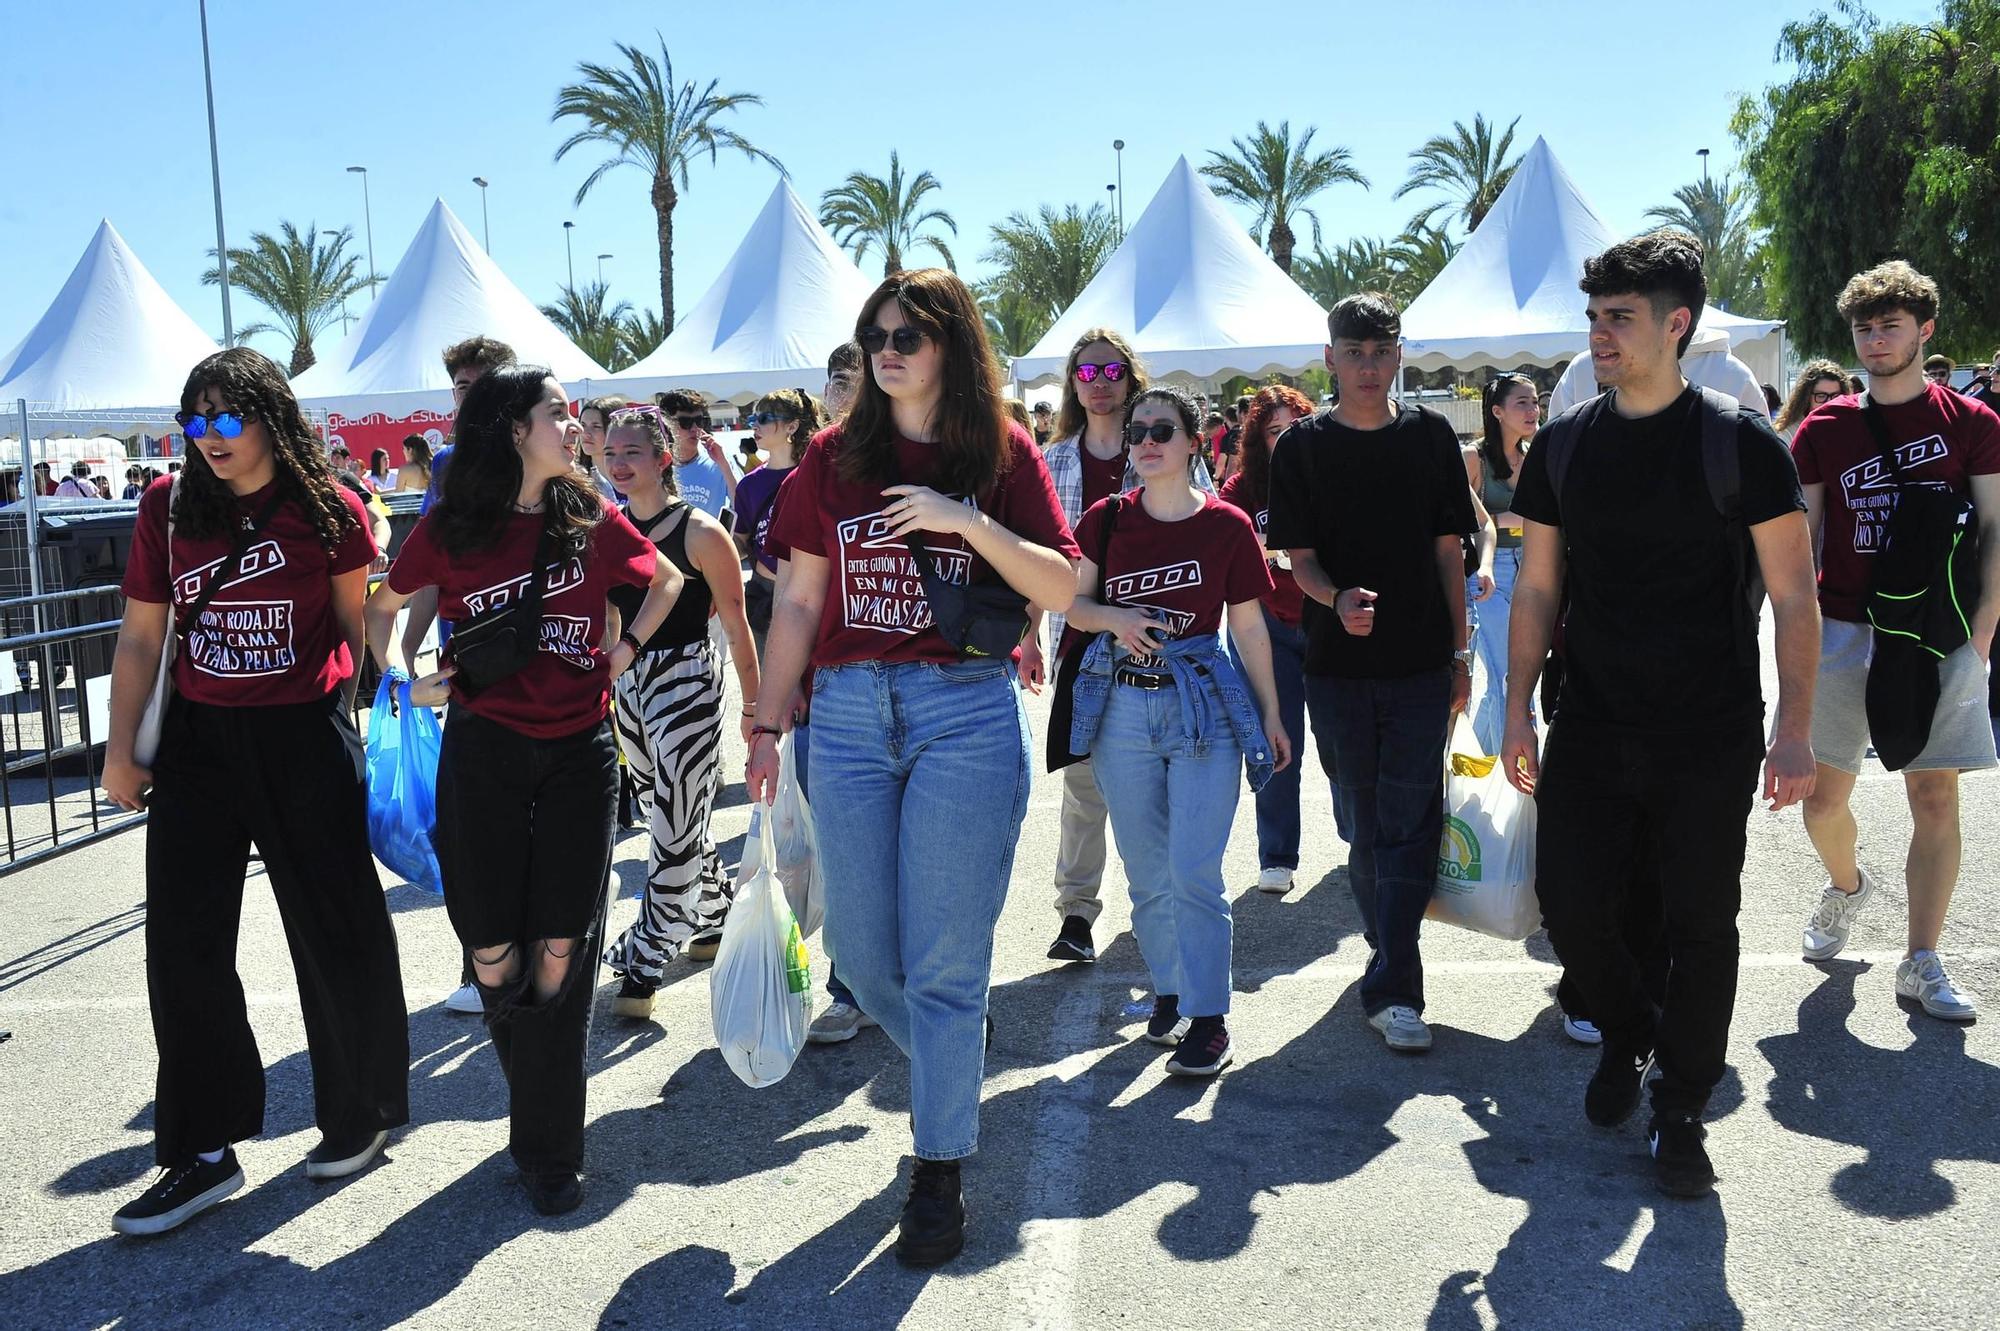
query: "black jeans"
289, 779
524, 840
1681, 802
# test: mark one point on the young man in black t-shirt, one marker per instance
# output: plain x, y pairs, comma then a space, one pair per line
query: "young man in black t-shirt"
1655, 744
1369, 500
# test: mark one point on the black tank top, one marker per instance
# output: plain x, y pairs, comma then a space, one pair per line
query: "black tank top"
687, 622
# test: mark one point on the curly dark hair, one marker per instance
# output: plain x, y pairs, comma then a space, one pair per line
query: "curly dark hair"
1254, 445
251, 384
484, 479
1664, 266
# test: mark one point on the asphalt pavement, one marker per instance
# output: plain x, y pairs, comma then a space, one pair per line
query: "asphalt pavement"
1321, 1181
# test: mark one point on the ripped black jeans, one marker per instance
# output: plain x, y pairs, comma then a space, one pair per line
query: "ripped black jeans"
524, 838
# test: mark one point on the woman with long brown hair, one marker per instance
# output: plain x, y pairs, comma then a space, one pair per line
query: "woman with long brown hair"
1510, 415
1249, 489
256, 560
1819, 383
920, 746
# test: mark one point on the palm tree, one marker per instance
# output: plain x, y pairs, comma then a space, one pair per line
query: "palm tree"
1014, 322
1467, 164
300, 278
652, 124
1362, 264
1716, 211
599, 333
1048, 260
643, 333
1277, 177
867, 212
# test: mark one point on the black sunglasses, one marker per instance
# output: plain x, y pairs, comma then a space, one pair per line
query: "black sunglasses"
1159, 432
758, 418
690, 422
905, 339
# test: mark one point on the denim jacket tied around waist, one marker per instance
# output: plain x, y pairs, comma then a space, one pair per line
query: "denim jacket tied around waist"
1189, 661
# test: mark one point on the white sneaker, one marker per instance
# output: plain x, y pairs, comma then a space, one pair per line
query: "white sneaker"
1923, 978
1402, 1028
1277, 879
1833, 919
840, 1022
465, 998
1582, 1030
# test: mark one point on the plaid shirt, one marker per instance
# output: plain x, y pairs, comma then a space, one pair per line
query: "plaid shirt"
1065, 463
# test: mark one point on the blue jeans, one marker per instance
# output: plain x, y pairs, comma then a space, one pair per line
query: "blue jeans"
1389, 735
1490, 618
925, 771
801, 751
1278, 801
1171, 814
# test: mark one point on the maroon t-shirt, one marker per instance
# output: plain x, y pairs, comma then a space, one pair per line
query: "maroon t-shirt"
1284, 600
567, 687
269, 636
1942, 439
875, 608
1101, 476
1187, 570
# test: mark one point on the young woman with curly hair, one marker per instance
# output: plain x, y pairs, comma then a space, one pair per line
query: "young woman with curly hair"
256, 560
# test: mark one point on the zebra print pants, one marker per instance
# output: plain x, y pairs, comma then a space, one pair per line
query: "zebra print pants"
669, 708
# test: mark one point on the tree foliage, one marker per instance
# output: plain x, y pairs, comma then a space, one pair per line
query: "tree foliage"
1469, 165
1716, 211
886, 215
1048, 259
1885, 143
1278, 178
1399, 268
598, 330
302, 278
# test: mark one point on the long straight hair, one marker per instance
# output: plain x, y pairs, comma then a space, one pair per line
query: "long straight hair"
484, 478
972, 427
1493, 440
1072, 418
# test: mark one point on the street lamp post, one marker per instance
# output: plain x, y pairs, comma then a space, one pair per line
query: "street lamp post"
485, 227
368, 221
600, 266
215, 175
1702, 153
1118, 147
568, 254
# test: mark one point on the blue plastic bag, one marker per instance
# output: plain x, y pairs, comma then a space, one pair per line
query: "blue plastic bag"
403, 746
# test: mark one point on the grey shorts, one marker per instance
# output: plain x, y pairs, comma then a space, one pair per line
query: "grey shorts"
1961, 734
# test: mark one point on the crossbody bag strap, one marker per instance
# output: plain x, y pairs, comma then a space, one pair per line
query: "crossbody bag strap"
227, 569
530, 608
1871, 412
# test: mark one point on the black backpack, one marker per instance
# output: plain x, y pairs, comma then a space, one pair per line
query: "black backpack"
1721, 464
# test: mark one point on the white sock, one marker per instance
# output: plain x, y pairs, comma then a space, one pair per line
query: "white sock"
211, 1157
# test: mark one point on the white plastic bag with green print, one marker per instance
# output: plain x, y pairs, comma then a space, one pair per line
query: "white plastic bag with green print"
760, 990
1486, 861
794, 844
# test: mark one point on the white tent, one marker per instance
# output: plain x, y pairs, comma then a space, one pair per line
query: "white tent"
112, 339
1193, 293
1509, 297
784, 301
445, 289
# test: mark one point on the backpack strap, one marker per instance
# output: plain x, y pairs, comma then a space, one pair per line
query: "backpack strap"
1561, 436
1721, 458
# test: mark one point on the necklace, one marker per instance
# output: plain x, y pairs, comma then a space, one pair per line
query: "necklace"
527, 508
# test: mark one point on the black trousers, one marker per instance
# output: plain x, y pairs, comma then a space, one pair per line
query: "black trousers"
289, 779
1681, 803
524, 840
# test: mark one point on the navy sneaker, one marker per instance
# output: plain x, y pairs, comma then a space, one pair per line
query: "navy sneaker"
1167, 1025
1204, 1050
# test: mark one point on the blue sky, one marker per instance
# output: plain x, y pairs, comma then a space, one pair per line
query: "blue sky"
103, 115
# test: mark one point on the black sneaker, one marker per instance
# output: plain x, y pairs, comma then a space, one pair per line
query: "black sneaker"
339, 1157
933, 1226
179, 1195
1074, 942
1167, 1025
634, 1001
554, 1192
1204, 1050
1614, 1088
1680, 1161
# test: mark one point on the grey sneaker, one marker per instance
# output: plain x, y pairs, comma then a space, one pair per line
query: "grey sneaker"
1833, 919
839, 1023
1402, 1028
1923, 978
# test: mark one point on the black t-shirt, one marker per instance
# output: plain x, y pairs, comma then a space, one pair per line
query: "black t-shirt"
1659, 635
1371, 505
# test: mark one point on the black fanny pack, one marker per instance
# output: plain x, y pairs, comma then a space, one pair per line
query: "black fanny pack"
488, 648
983, 619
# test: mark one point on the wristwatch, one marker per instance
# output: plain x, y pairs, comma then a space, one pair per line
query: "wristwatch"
1462, 658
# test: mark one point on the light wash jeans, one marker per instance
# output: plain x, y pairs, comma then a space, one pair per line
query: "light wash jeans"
1278, 802
1171, 814
920, 782
1490, 618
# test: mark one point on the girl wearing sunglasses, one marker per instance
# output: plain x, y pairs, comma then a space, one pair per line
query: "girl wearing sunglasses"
527, 786
1166, 718
781, 427
669, 711
256, 561
920, 755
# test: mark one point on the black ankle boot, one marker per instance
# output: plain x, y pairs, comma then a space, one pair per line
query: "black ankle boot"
933, 1228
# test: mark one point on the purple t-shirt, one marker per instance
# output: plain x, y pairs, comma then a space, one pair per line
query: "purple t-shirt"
756, 501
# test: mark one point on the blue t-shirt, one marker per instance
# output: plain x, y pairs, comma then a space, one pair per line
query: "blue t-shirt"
438, 461
703, 484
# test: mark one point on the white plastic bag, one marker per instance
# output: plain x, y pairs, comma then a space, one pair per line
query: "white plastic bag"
795, 845
760, 990
1486, 862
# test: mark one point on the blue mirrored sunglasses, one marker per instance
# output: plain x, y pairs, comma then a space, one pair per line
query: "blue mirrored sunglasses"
227, 424
769, 418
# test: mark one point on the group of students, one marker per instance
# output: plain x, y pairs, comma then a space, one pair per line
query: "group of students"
903, 561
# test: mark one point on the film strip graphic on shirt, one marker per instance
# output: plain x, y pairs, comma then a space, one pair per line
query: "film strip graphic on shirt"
562, 577
261, 558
